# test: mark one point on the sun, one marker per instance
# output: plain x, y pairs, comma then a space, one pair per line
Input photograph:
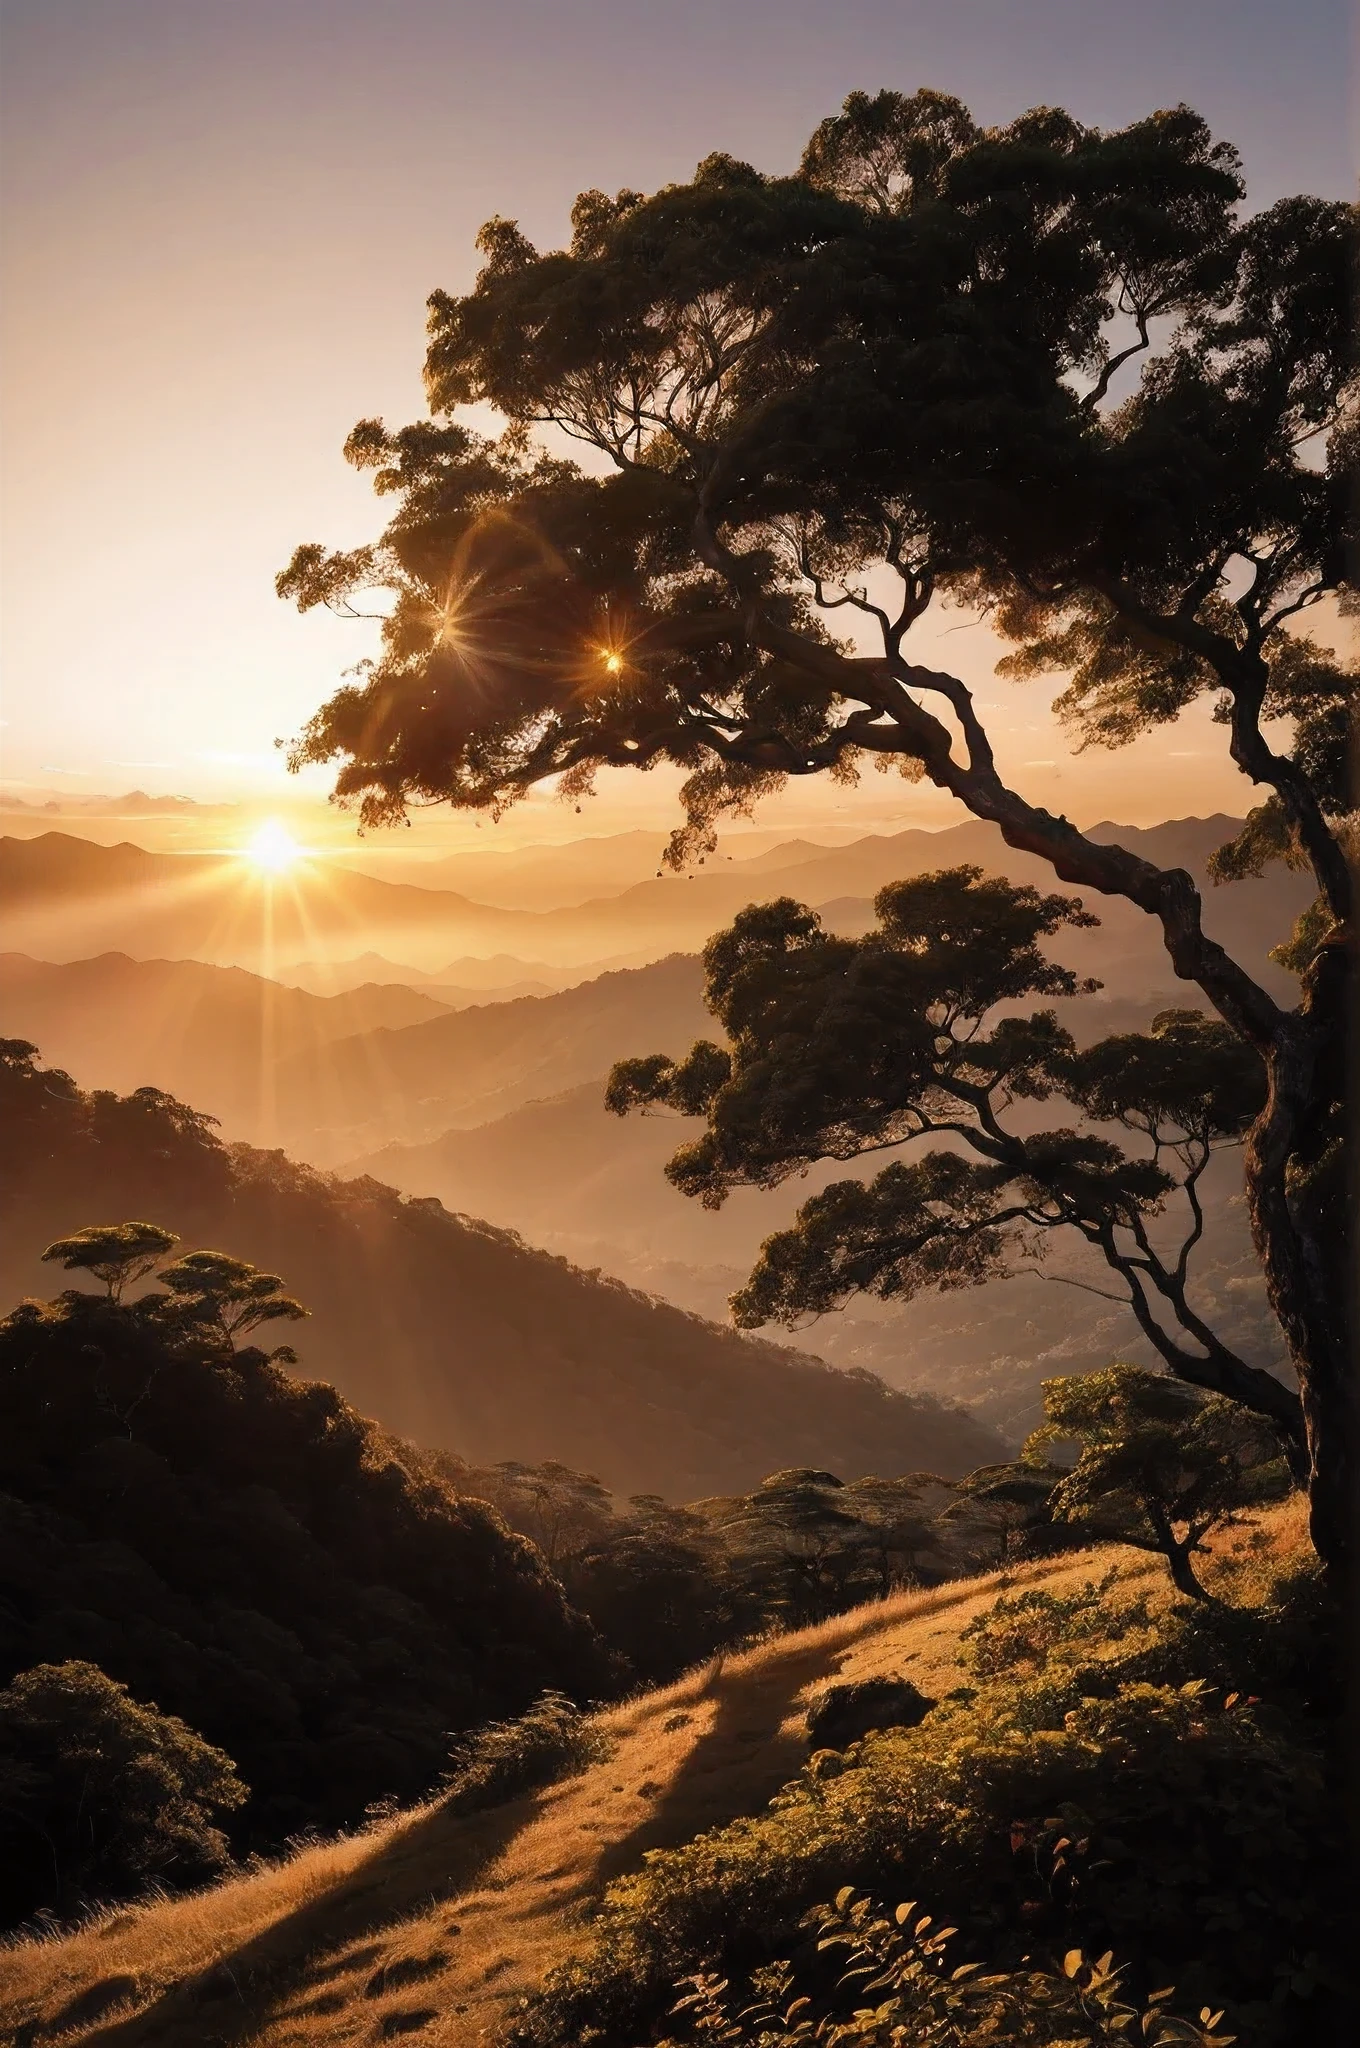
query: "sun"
273, 848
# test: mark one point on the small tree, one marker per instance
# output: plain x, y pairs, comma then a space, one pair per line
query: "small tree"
100, 1795
116, 1253
1157, 1467
228, 1294
1008, 1507
897, 1530
797, 1538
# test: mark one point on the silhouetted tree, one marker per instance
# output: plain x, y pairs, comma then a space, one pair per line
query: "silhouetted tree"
797, 1541
837, 399
1005, 1511
1158, 1466
119, 1254
228, 1294
100, 1795
843, 1047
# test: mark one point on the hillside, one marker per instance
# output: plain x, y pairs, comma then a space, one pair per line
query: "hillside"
436, 1925
477, 1064
498, 979
452, 1333
592, 1187
237, 1545
213, 1035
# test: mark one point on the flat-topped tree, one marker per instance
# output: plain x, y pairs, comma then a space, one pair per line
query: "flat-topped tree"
832, 400
119, 1254
229, 1295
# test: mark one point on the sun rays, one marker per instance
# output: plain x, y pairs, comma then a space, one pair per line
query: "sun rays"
273, 848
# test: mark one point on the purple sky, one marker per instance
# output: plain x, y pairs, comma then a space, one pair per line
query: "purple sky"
222, 218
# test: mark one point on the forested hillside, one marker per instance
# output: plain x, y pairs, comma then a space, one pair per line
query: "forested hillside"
453, 1333
243, 1549
464, 1069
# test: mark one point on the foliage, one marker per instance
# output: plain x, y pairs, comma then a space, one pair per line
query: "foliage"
1056, 1802
100, 1795
116, 1253
505, 1759
883, 384
229, 1294
666, 1586
243, 1548
1019, 1633
776, 371
840, 1048
902, 1966
1158, 1466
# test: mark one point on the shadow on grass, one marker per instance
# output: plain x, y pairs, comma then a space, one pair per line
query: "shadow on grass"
435, 1857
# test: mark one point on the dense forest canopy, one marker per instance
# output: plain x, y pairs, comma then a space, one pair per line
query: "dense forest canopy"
242, 1548
1044, 371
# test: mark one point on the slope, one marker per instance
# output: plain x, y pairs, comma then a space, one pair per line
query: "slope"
435, 1925
213, 1035
455, 1334
466, 1068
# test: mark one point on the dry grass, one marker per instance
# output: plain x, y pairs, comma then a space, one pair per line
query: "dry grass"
433, 1925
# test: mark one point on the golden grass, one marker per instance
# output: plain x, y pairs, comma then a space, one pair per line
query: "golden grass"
434, 1925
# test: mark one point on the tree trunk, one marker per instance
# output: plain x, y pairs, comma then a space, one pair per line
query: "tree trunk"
1183, 1572
1305, 1281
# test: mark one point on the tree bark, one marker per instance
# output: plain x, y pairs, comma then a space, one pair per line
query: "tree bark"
1183, 1572
1301, 1280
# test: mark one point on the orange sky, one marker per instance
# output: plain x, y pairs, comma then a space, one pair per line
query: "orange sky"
220, 227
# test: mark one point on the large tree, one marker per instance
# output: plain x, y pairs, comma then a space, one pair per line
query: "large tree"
1043, 370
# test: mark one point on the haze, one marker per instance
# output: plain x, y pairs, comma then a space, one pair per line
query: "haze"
220, 228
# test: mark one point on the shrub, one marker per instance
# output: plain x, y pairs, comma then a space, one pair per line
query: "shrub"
498, 1762
1078, 1805
1019, 1635
100, 1795
904, 1966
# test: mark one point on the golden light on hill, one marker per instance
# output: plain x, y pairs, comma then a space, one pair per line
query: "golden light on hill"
273, 848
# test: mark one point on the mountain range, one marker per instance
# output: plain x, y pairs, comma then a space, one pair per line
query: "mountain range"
64, 898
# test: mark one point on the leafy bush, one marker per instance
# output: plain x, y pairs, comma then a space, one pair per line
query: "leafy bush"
504, 1759
1019, 1635
1187, 1832
100, 1795
904, 1966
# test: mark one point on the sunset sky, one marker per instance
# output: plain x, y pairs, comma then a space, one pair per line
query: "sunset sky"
221, 224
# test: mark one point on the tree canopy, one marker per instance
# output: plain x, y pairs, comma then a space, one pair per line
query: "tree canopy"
1156, 1466
843, 1048
1041, 370
116, 1253
101, 1795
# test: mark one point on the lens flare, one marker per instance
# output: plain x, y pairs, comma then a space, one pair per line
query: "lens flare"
273, 848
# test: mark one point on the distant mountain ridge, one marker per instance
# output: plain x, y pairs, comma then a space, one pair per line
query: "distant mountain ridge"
474, 1064
59, 898
214, 1035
